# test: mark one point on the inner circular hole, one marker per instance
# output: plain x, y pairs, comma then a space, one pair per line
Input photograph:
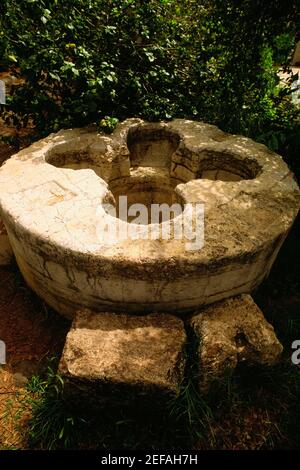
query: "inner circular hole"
145, 199
149, 186
222, 166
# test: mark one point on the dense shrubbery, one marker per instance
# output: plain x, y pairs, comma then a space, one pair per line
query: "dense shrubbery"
83, 60
210, 59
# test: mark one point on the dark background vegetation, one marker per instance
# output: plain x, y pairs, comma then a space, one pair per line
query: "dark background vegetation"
211, 60
100, 61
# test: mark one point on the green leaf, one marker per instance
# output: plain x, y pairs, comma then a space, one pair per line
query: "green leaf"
150, 56
13, 58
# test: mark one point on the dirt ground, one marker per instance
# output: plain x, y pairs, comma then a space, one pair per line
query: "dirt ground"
33, 334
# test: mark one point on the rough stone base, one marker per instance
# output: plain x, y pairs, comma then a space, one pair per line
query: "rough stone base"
230, 332
6, 253
110, 357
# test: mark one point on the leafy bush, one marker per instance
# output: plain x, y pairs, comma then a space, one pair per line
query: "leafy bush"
82, 60
88, 60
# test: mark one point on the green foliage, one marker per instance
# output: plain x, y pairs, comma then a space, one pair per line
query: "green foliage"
213, 60
52, 423
82, 60
108, 124
190, 421
283, 46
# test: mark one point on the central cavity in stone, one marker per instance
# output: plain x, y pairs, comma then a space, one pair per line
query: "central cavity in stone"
149, 170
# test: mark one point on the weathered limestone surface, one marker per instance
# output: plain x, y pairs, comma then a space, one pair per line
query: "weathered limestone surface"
53, 196
230, 332
108, 355
6, 253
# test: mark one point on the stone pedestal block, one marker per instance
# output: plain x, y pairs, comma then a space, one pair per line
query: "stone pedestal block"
230, 332
116, 358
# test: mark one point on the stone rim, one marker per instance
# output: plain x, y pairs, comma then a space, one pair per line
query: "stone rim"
49, 213
274, 176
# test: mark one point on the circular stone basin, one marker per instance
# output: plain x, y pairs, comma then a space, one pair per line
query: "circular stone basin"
57, 200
